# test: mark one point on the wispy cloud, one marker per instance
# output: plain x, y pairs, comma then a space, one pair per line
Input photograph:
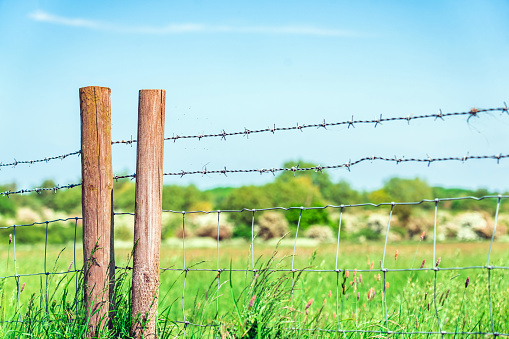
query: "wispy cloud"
42, 16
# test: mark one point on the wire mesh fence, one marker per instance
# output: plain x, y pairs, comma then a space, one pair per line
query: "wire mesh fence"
338, 274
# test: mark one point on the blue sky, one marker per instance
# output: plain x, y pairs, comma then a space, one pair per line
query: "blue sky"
233, 65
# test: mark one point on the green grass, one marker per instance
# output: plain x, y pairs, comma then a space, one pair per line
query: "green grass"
264, 304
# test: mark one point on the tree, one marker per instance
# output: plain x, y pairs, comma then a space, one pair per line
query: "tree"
407, 190
244, 197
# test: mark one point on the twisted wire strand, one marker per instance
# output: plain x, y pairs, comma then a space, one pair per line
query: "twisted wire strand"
474, 112
320, 168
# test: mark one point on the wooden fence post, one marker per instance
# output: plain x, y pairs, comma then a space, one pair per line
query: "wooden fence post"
147, 219
97, 184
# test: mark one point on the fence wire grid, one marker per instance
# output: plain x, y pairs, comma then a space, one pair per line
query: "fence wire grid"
432, 266
48, 272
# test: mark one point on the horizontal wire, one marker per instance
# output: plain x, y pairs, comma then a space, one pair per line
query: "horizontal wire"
423, 201
39, 273
474, 112
320, 168
38, 190
30, 162
326, 271
246, 132
293, 169
41, 222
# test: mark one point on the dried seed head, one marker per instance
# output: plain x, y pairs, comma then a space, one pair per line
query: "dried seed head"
354, 272
378, 277
347, 274
330, 293
70, 266
467, 281
371, 266
360, 278
422, 235
10, 238
251, 302
382, 295
396, 255
346, 296
22, 287
387, 285
358, 295
309, 303
438, 261
423, 262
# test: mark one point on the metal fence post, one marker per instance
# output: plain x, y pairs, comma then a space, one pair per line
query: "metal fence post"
147, 219
97, 184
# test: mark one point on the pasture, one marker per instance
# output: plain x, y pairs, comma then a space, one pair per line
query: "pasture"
265, 304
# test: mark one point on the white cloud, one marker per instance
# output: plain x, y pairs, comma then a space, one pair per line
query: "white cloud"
42, 16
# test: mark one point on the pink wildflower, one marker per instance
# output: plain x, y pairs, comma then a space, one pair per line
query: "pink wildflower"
251, 302
309, 303
438, 261
423, 262
396, 255
10, 238
422, 235
466, 282
22, 287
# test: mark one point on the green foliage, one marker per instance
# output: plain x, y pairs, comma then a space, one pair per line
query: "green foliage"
58, 233
180, 198
404, 190
308, 218
245, 197
7, 207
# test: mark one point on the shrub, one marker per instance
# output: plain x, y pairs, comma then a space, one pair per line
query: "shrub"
272, 225
321, 233
211, 231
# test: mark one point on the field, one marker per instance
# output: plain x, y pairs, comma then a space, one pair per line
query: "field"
265, 304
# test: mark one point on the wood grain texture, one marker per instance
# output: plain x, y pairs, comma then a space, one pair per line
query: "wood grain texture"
97, 184
147, 219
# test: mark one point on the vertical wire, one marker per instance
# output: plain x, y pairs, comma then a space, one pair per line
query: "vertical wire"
489, 267
74, 263
383, 266
218, 269
45, 270
337, 273
16, 272
293, 269
252, 241
435, 269
185, 270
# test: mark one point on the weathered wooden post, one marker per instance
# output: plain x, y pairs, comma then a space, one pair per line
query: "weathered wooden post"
147, 219
97, 185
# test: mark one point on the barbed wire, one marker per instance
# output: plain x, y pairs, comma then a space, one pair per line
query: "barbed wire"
38, 190
474, 112
320, 168
293, 169
30, 162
